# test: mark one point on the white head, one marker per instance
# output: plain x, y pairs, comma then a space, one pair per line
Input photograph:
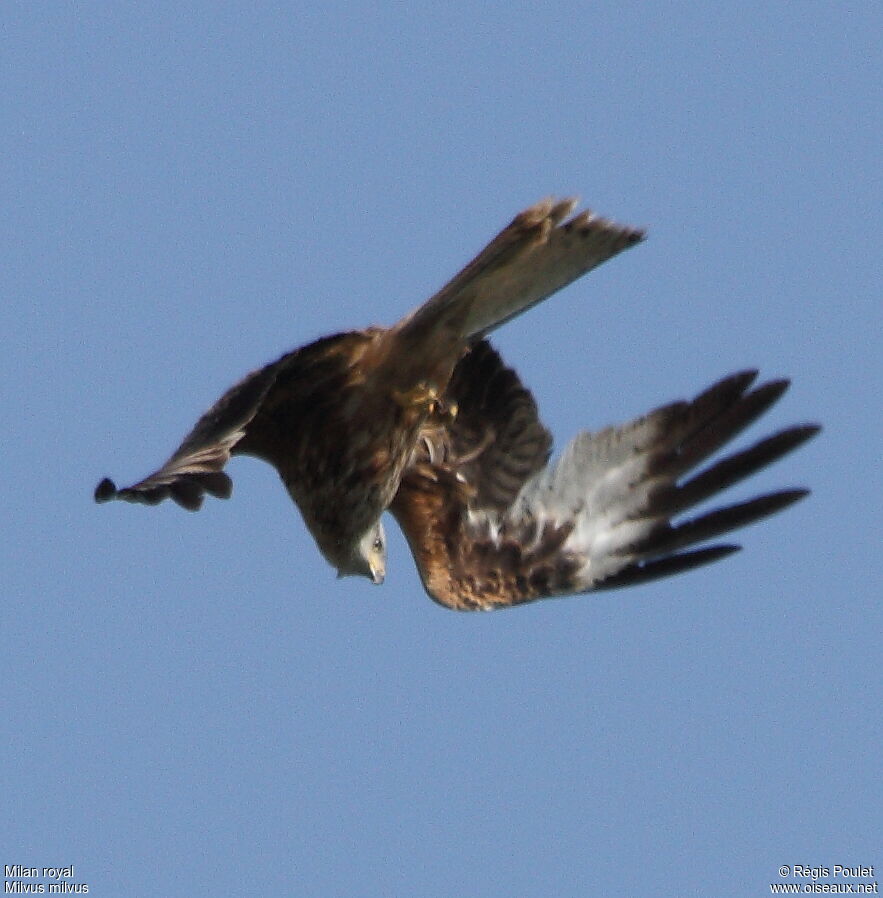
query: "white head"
368, 557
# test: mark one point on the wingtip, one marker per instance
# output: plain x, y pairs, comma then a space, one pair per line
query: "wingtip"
588, 223
562, 208
706, 555
741, 380
808, 431
536, 214
105, 491
769, 393
790, 496
631, 235
554, 212
796, 436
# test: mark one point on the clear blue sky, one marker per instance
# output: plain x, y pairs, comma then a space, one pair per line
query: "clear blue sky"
192, 704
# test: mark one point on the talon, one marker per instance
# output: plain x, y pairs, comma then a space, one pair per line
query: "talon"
447, 410
423, 394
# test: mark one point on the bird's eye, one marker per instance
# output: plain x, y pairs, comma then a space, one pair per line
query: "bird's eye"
378, 544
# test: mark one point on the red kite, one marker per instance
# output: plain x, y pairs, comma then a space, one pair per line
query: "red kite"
424, 419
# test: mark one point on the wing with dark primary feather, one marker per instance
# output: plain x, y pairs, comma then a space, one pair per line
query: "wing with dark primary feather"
604, 515
304, 412
197, 465
270, 413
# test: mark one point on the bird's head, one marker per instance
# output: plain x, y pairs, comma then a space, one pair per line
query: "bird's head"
367, 557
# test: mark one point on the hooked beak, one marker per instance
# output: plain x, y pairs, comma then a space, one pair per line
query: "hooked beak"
377, 576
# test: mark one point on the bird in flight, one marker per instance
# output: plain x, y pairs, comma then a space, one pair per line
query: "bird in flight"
425, 420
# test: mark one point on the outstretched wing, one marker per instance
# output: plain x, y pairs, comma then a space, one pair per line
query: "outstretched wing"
269, 414
604, 515
196, 467
538, 253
